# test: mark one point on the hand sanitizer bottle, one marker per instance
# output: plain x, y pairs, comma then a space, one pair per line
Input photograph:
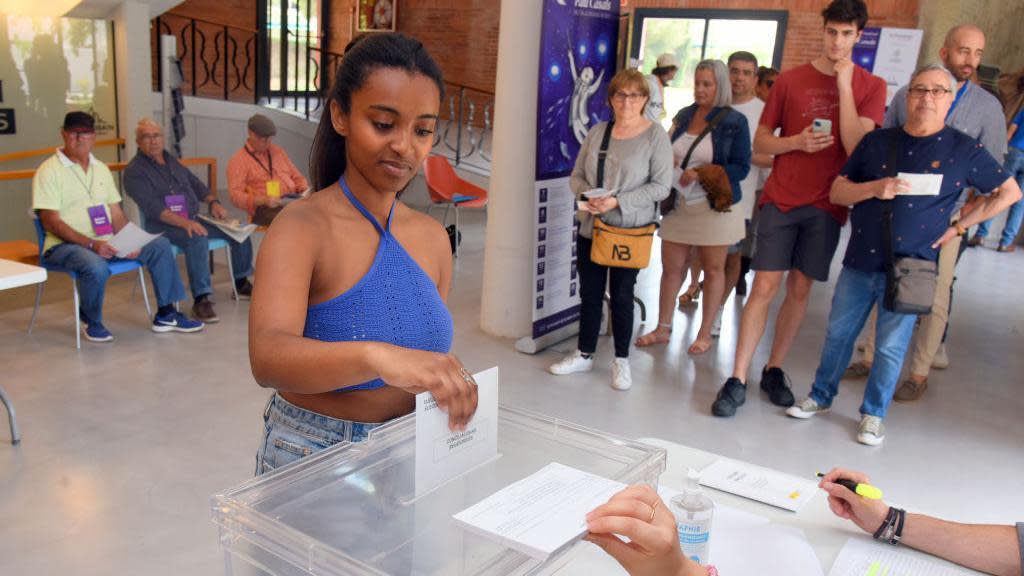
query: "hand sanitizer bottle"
693, 510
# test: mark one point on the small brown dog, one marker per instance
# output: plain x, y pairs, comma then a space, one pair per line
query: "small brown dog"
715, 182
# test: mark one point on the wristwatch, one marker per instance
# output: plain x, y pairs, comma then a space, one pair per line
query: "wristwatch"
960, 230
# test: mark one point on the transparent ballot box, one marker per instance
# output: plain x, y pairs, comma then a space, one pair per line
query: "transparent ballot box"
353, 509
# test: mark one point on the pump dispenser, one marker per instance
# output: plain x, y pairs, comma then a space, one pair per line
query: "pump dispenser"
693, 510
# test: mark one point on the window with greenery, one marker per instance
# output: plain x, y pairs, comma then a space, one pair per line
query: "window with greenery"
290, 39
695, 35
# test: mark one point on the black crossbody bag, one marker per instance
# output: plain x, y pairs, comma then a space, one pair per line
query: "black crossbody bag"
909, 282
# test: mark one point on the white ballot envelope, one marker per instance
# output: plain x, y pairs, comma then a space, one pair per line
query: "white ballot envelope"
541, 514
130, 239
442, 454
921, 184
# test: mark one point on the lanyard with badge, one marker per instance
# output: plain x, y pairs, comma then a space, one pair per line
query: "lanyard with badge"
101, 225
956, 99
174, 202
273, 186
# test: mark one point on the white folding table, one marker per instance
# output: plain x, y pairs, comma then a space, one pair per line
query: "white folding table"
13, 275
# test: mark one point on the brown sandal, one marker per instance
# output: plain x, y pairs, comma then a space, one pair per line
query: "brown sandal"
689, 298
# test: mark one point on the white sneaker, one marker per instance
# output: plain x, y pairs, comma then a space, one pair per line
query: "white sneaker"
805, 409
941, 361
871, 430
571, 364
622, 379
716, 326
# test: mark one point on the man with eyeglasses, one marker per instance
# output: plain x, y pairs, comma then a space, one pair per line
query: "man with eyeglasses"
78, 205
941, 161
170, 196
978, 114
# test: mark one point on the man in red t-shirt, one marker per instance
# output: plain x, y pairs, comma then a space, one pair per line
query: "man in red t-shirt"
822, 110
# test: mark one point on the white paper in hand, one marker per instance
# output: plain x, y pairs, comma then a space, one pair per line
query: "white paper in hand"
442, 454
130, 239
542, 513
921, 184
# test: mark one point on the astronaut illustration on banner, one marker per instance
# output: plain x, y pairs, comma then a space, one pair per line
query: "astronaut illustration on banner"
577, 60
584, 87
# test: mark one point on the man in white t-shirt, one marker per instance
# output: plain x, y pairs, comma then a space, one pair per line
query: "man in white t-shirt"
665, 69
743, 77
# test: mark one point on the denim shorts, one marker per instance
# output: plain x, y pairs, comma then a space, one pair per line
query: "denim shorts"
291, 432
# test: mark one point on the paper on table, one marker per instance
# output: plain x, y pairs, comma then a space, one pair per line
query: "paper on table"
862, 557
236, 233
757, 483
746, 543
542, 513
922, 184
130, 239
442, 454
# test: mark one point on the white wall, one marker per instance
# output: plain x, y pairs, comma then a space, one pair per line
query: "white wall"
216, 128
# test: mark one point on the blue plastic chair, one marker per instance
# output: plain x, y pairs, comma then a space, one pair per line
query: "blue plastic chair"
214, 244
116, 267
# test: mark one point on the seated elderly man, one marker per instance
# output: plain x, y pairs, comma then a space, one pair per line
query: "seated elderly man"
260, 174
75, 198
942, 161
170, 196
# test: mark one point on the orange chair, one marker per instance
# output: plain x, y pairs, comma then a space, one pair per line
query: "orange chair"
448, 190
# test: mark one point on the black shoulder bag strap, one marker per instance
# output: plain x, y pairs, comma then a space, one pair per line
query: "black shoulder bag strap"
887, 218
707, 130
602, 153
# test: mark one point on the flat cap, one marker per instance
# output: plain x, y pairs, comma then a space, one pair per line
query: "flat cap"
262, 126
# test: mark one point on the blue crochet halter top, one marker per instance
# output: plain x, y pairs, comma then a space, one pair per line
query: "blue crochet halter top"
395, 302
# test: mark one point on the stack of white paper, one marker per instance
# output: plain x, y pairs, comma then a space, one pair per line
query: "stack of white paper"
236, 232
746, 543
130, 239
542, 513
757, 483
862, 557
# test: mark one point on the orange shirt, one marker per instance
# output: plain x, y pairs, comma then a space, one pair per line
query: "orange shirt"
249, 172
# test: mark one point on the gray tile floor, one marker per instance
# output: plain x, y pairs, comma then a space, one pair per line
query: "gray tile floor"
125, 442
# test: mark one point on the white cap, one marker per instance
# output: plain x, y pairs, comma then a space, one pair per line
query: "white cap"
667, 60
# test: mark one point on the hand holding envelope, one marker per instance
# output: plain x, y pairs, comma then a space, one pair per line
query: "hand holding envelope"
920, 184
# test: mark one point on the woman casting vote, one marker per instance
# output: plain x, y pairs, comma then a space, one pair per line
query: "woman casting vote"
636, 172
711, 152
348, 317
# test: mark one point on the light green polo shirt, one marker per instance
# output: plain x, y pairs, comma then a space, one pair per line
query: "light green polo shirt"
60, 184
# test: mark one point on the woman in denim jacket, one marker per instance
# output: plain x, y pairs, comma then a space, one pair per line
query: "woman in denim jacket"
693, 222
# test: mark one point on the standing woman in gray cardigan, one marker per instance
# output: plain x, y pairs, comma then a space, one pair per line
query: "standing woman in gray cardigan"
638, 172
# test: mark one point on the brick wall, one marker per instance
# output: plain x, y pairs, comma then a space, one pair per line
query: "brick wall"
803, 32
462, 35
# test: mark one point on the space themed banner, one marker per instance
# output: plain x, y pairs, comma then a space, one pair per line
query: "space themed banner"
577, 61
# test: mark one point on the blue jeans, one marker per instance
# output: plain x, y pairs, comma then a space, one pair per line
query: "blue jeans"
93, 270
197, 254
856, 293
1015, 166
291, 432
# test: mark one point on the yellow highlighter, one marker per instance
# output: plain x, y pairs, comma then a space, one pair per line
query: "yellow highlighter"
866, 490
